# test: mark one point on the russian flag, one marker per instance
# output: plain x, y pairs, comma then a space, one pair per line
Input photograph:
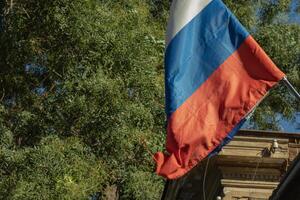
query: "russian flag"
215, 74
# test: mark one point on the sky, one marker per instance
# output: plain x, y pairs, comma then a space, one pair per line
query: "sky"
291, 126
294, 17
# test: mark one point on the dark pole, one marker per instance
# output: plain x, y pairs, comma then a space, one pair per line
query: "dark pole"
163, 197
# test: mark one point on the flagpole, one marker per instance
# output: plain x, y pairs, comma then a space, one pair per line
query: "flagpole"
291, 87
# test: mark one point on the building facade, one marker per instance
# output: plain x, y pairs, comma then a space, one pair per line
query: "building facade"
248, 168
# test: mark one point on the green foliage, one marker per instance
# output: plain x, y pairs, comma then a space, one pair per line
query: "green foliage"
81, 78
82, 93
142, 184
67, 168
271, 8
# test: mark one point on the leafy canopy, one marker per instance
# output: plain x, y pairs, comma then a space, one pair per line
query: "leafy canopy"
82, 93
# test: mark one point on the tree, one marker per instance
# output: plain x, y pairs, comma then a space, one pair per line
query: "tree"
82, 93
88, 70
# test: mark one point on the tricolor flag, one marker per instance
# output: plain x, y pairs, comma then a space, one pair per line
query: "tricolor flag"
215, 74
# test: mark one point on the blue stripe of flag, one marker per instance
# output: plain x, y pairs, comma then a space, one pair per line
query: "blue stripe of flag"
198, 50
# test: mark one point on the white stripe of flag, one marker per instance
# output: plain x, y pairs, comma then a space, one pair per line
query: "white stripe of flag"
182, 12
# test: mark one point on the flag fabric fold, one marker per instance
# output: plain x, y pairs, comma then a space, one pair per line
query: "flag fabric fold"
215, 74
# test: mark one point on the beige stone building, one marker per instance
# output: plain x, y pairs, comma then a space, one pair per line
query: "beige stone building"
249, 168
